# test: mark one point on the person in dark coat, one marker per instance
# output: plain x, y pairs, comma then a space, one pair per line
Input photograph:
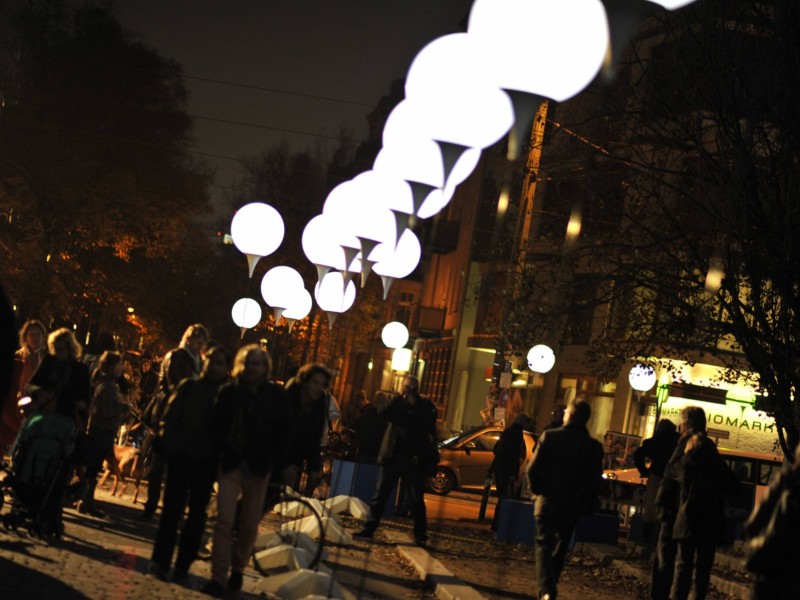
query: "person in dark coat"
255, 431
412, 419
509, 452
187, 427
309, 405
180, 363
651, 459
372, 427
691, 496
773, 552
565, 474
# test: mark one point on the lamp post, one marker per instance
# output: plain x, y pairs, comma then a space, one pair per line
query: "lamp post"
642, 379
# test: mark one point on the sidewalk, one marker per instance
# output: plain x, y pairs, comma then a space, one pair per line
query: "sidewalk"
107, 559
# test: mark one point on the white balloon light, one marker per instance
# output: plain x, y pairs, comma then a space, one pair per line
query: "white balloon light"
279, 287
246, 313
322, 241
447, 84
394, 335
396, 262
541, 358
299, 308
333, 296
257, 230
642, 378
572, 34
672, 4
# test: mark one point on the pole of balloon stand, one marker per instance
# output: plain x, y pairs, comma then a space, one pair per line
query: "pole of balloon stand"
487, 491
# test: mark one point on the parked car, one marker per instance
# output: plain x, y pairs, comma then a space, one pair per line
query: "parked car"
466, 457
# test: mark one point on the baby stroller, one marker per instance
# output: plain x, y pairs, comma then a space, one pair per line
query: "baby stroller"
38, 474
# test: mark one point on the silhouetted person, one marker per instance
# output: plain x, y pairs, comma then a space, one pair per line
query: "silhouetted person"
651, 459
509, 452
773, 549
413, 431
565, 476
180, 363
690, 503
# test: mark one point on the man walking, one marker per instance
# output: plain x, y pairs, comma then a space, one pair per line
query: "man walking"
407, 451
565, 475
180, 363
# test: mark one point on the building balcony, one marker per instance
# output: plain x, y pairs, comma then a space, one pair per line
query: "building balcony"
427, 321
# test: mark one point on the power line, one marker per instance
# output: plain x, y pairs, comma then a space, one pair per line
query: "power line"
268, 127
279, 91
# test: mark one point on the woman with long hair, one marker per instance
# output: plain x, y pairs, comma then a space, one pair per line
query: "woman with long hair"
32, 350
64, 376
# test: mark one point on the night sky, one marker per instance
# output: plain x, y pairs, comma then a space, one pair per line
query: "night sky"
328, 62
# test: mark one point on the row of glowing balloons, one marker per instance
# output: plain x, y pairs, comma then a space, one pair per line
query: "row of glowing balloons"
464, 92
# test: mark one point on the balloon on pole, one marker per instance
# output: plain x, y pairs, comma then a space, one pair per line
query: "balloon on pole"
257, 230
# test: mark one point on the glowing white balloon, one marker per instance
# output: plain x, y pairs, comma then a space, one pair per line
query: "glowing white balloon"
541, 358
322, 242
673, 4
280, 285
257, 230
401, 359
300, 306
397, 262
572, 34
332, 295
642, 378
394, 335
448, 86
246, 313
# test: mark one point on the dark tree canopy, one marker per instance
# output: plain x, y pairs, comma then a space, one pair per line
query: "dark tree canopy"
95, 165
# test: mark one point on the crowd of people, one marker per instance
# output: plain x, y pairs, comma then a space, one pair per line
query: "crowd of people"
211, 417
204, 417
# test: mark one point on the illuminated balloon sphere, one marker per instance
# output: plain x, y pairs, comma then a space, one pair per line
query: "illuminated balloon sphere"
300, 306
642, 378
331, 294
246, 313
257, 229
280, 285
394, 335
541, 358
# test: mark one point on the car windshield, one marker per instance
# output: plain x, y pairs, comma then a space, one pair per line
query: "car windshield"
486, 439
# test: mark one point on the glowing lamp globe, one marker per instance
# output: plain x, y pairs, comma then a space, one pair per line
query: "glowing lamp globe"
246, 313
257, 230
394, 335
401, 359
573, 34
541, 358
642, 378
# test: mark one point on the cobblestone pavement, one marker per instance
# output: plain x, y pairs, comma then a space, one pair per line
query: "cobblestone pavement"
107, 558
